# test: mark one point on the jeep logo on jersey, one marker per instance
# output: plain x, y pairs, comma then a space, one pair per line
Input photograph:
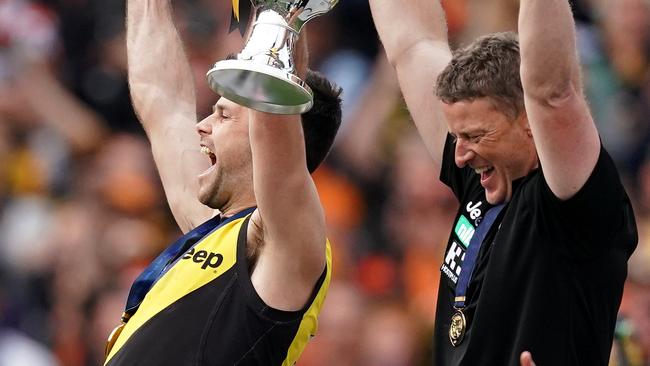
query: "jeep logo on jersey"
474, 212
453, 261
208, 259
464, 230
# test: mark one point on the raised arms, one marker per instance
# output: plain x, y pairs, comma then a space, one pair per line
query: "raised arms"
289, 211
565, 135
163, 95
414, 35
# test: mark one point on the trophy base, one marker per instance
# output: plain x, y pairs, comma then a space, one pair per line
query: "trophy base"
260, 87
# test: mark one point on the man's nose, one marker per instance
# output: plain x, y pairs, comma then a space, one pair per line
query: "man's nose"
204, 127
462, 154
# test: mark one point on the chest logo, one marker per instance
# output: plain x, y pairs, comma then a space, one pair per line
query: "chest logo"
453, 261
204, 258
474, 211
464, 230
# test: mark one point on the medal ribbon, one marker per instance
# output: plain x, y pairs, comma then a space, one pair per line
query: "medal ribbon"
472, 254
159, 266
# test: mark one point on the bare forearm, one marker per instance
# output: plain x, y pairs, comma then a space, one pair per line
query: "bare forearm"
549, 58
403, 24
159, 72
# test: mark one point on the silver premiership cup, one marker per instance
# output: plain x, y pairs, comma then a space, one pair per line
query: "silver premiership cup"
263, 76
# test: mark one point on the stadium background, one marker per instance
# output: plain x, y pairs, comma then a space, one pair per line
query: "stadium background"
82, 211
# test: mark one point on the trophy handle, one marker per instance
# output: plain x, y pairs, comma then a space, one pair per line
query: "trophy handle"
297, 12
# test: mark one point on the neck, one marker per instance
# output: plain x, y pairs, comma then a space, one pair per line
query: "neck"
237, 204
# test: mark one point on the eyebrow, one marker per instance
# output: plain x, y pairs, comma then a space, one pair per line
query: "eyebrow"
471, 132
468, 134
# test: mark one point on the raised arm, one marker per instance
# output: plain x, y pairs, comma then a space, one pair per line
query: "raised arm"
289, 211
53, 103
565, 135
414, 35
163, 95
360, 146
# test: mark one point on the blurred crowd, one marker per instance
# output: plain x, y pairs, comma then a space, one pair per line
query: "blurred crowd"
82, 210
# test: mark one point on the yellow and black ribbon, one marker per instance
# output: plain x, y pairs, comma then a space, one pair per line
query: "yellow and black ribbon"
240, 15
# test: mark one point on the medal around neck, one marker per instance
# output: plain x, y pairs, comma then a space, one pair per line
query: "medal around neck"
263, 76
115, 334
457, 328
458, 325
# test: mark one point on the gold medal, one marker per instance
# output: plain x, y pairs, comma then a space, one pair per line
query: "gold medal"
457, 328
115, 334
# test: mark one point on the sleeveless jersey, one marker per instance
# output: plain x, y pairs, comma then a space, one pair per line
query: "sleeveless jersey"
205, 311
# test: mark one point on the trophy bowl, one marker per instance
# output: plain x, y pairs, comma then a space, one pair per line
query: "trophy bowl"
263, 75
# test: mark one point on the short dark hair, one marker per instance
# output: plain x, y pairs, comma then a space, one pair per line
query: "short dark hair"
489, 67
321, 123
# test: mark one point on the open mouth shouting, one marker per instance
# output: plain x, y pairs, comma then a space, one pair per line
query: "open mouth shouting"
213, 160
206, 151
485, 173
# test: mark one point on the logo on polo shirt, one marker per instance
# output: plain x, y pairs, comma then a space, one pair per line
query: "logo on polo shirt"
453, 261
474, 211
464, 230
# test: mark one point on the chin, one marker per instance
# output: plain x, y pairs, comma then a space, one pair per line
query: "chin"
202, 200
210, 201
206, 197
495, 198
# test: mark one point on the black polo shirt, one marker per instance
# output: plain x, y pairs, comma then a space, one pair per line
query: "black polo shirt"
549, 275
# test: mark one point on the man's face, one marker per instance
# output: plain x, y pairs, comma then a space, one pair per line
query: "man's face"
225, 141
500, 149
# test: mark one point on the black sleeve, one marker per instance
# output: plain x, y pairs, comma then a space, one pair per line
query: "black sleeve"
600, 214
248, 292
460, 180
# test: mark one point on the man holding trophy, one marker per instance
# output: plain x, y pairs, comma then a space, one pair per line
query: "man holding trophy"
246, 282
537, 256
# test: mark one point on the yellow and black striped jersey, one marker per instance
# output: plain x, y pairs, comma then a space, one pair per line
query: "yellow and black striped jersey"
205, 311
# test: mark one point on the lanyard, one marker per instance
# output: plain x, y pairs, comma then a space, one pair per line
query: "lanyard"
472, 255
161, 264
